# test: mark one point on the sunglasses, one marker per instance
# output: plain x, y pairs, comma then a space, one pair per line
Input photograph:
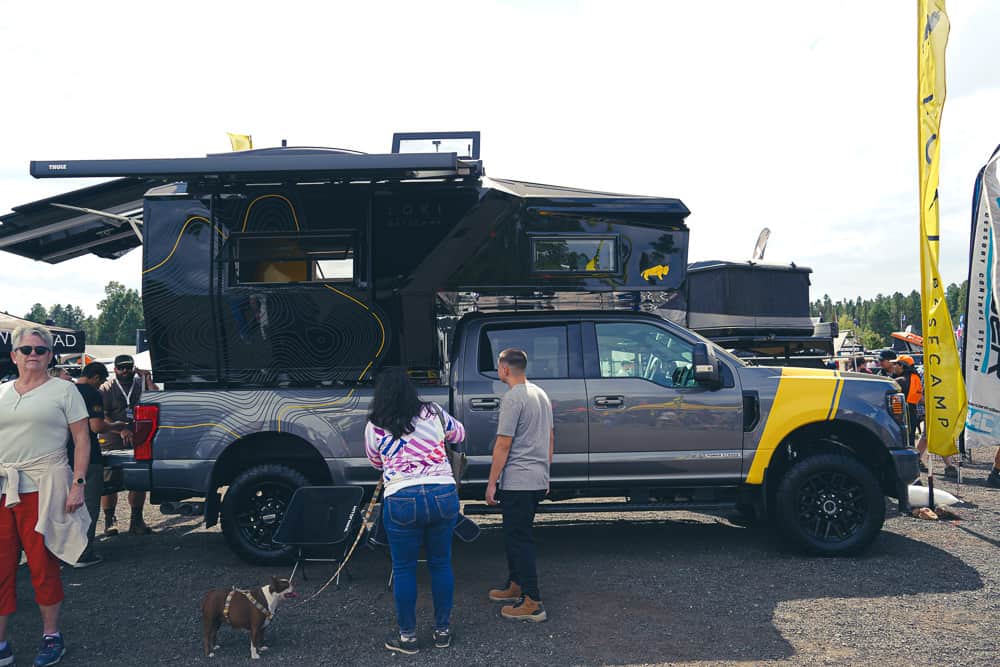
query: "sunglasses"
38, 349
126, 367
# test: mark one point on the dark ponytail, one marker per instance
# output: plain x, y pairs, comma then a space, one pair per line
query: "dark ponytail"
395, 405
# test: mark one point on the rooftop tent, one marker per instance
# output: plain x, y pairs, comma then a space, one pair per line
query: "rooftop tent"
745, 298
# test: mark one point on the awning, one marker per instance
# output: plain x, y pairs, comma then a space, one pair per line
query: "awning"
64, 340
50, 234
47, 233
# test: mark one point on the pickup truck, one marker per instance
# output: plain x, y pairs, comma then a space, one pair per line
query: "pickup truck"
645, 411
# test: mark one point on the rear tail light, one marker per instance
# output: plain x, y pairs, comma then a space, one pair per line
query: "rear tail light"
146, 420
896, 404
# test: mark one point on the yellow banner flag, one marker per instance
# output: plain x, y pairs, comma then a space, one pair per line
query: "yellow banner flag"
944, 389
240, 142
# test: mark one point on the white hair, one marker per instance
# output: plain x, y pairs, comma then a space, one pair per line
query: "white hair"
23, 332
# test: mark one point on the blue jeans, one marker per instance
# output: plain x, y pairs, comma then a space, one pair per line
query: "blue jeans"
421, 516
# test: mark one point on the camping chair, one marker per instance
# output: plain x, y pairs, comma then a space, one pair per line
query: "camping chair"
319, 516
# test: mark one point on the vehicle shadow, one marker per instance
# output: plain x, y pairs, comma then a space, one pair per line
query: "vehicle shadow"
618, 592
699, 591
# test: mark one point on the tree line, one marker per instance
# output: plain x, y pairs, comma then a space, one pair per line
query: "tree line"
873, 320
119, 315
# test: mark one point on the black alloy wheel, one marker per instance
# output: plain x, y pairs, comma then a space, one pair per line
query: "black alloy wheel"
253, 508
830, 505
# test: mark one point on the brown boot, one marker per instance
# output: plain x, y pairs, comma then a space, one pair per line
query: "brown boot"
137, 525
510, 594
525, 610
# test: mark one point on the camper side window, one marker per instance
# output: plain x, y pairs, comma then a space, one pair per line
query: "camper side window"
293, 259
545, 346
574, 254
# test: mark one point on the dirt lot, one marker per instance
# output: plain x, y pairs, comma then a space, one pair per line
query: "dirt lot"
652, 589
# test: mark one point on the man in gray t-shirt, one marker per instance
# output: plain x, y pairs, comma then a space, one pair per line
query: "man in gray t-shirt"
522, 455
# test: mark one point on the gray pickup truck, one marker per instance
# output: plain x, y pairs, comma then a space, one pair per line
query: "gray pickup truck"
646, 412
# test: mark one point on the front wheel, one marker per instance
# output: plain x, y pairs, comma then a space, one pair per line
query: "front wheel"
830, 505
252, 511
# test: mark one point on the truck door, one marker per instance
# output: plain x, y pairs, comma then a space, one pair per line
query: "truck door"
555, 363
650, 423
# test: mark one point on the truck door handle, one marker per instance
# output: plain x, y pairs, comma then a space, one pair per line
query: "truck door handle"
609, 401
485, 403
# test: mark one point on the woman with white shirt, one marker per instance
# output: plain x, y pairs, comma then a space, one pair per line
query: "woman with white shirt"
405, 439
39, 495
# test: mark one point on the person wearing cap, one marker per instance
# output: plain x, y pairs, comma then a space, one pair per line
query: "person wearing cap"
913, 388
120, 395
91, 377
885, 363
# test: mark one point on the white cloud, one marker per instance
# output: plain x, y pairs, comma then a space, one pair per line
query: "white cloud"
796, 116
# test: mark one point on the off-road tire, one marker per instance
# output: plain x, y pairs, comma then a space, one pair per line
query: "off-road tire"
829, 505
252, 510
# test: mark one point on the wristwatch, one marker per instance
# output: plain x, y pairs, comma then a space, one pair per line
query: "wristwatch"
80, 481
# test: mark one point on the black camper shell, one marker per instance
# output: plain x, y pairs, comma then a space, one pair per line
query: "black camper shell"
313, 266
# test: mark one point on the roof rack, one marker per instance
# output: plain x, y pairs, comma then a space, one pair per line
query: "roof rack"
275, 163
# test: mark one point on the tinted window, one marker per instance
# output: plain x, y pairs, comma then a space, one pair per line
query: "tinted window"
632, 349
544, 345
574, 254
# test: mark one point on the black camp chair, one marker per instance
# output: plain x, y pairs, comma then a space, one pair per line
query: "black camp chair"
317, 517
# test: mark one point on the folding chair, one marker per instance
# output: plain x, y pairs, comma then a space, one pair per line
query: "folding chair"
320, 516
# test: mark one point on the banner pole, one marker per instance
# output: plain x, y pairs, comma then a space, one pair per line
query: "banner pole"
930, 481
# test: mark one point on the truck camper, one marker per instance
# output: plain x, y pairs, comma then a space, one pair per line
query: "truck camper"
277, 281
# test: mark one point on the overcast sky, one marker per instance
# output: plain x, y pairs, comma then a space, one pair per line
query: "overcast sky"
798, 116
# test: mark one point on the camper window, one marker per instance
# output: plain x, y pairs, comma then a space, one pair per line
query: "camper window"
293, 259
545, 346
574, 254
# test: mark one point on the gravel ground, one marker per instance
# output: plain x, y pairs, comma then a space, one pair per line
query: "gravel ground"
640, 589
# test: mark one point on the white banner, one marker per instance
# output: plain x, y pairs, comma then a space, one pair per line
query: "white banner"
982, 321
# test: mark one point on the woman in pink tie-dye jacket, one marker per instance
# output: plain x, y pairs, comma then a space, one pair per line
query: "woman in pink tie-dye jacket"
405, 439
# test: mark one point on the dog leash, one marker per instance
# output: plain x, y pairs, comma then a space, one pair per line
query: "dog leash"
357, 540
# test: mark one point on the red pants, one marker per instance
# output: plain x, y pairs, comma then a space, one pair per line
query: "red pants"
17, 531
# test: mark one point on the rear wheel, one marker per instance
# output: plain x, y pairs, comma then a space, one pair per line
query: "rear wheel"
830, 505
252, 511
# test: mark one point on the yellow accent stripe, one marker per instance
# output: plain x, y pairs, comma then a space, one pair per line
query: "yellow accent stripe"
227, 430
193, 218
295, 217
804, 396
350, 393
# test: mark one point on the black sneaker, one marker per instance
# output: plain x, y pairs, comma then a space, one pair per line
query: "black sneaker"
442, 638
407, 645
994, 479
951, 472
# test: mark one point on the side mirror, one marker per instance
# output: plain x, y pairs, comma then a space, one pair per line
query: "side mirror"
706, 365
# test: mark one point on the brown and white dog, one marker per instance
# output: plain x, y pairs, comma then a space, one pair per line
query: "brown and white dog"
246, 610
